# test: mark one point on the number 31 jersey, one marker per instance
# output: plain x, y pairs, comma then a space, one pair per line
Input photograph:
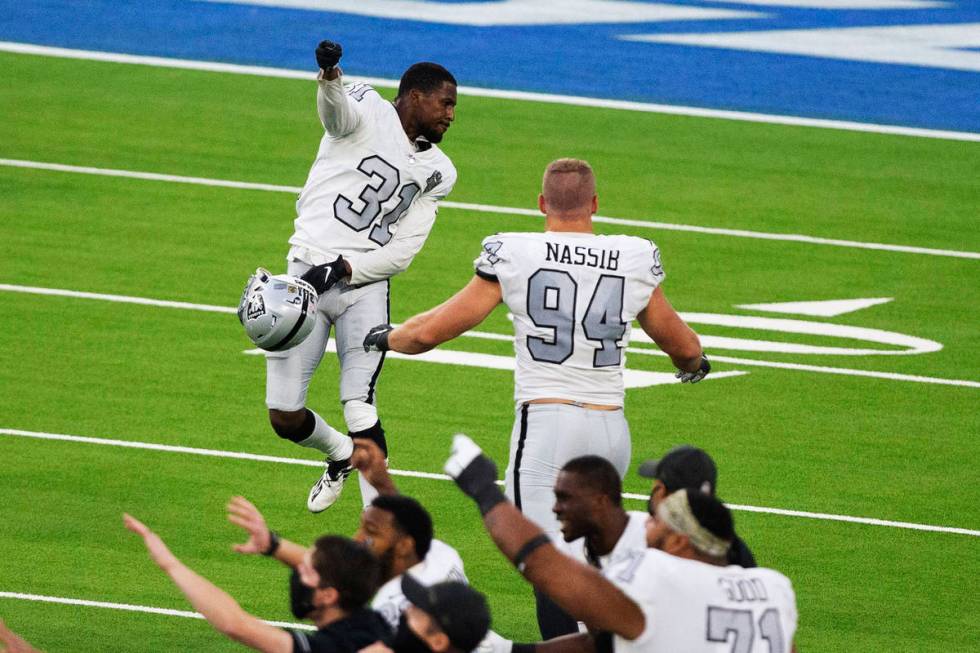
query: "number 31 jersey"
369, 185
573, 297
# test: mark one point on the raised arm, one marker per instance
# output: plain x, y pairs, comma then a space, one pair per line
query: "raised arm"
662, 323
577, 588
221, 611
453, 317
261, 540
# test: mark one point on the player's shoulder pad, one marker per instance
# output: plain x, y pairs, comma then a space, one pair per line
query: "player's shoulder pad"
360, 92
440, 183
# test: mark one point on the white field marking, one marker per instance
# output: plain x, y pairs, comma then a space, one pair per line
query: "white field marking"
549, 98
822, 308
510, 12
129, 607
889, 376
843, 4
444, 477
638, 336
631, 378
501, 210
947, 47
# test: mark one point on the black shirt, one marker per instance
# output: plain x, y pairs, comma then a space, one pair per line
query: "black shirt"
351, 634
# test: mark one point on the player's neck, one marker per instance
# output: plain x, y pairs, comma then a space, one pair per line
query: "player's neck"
562, 224
605, 538
408, 121
329, 615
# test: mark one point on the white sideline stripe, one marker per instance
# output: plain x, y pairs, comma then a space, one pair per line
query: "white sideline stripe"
550, 98
502, 337
443, 477
503, 210
891, 376
129, 607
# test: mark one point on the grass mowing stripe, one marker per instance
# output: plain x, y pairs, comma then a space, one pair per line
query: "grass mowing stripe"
187, 614
889, 376
871, 521
506, 210
549, 98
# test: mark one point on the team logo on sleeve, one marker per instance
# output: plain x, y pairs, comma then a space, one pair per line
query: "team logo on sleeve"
490, 251
434, 180
658, 268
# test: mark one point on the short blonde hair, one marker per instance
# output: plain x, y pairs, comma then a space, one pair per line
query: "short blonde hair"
568, 185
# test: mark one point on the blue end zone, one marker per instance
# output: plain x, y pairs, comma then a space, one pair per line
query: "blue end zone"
588, 60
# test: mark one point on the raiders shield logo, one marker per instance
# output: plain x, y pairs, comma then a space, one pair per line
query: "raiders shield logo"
434, 180
255, 308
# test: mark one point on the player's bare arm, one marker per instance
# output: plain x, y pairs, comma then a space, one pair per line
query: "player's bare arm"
221, 611
369, 460
261, 540
578, 589
12, 642
452, 318
662, 323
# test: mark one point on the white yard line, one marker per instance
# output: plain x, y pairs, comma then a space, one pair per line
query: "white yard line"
483, 335
187, 614
502, 210
442, 477
697, 112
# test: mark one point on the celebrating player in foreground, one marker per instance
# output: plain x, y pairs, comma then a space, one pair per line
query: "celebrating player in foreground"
366, 210
678, 595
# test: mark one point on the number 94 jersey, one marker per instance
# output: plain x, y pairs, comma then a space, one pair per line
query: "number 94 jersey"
573, 297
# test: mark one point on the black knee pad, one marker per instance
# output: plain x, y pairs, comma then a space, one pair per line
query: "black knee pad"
375, 433
299, 434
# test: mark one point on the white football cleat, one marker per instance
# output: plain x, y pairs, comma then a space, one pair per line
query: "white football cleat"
326, 491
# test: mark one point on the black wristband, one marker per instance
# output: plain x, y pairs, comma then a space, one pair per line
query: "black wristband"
382, 343
529, 547
478, 480
274, 543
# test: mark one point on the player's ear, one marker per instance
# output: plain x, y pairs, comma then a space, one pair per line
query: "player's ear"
595, 204
542, 204
405, 546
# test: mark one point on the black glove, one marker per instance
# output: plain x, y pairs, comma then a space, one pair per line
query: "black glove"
697, 375
323, 277
377, 338
328, 54
479, 481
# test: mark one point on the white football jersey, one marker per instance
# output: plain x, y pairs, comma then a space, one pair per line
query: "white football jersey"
633, 539
441, 563
695, 607
371, 193
574, 297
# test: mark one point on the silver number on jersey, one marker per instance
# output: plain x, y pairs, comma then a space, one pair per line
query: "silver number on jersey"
381, 233
551, 305
381, 186
723, 621
551, 296
603, 320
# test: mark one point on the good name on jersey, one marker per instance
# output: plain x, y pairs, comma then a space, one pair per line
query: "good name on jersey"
592, 257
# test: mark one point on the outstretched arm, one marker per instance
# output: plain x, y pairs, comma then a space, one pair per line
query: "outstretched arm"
215, 604
11, 642
242, 512
455, 316
662, 323
577, 588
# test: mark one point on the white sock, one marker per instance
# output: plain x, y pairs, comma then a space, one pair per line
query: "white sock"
367, 491
329, 440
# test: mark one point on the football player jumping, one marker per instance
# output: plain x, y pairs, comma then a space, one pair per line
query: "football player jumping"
365, 211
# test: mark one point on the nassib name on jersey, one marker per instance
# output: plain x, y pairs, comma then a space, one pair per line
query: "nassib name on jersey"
580, 255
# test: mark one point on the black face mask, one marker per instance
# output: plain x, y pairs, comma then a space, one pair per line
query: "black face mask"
406, 641
300, 597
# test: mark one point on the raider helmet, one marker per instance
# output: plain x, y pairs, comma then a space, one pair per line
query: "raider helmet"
277, 311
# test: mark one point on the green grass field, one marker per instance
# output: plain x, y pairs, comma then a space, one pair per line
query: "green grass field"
783, 438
